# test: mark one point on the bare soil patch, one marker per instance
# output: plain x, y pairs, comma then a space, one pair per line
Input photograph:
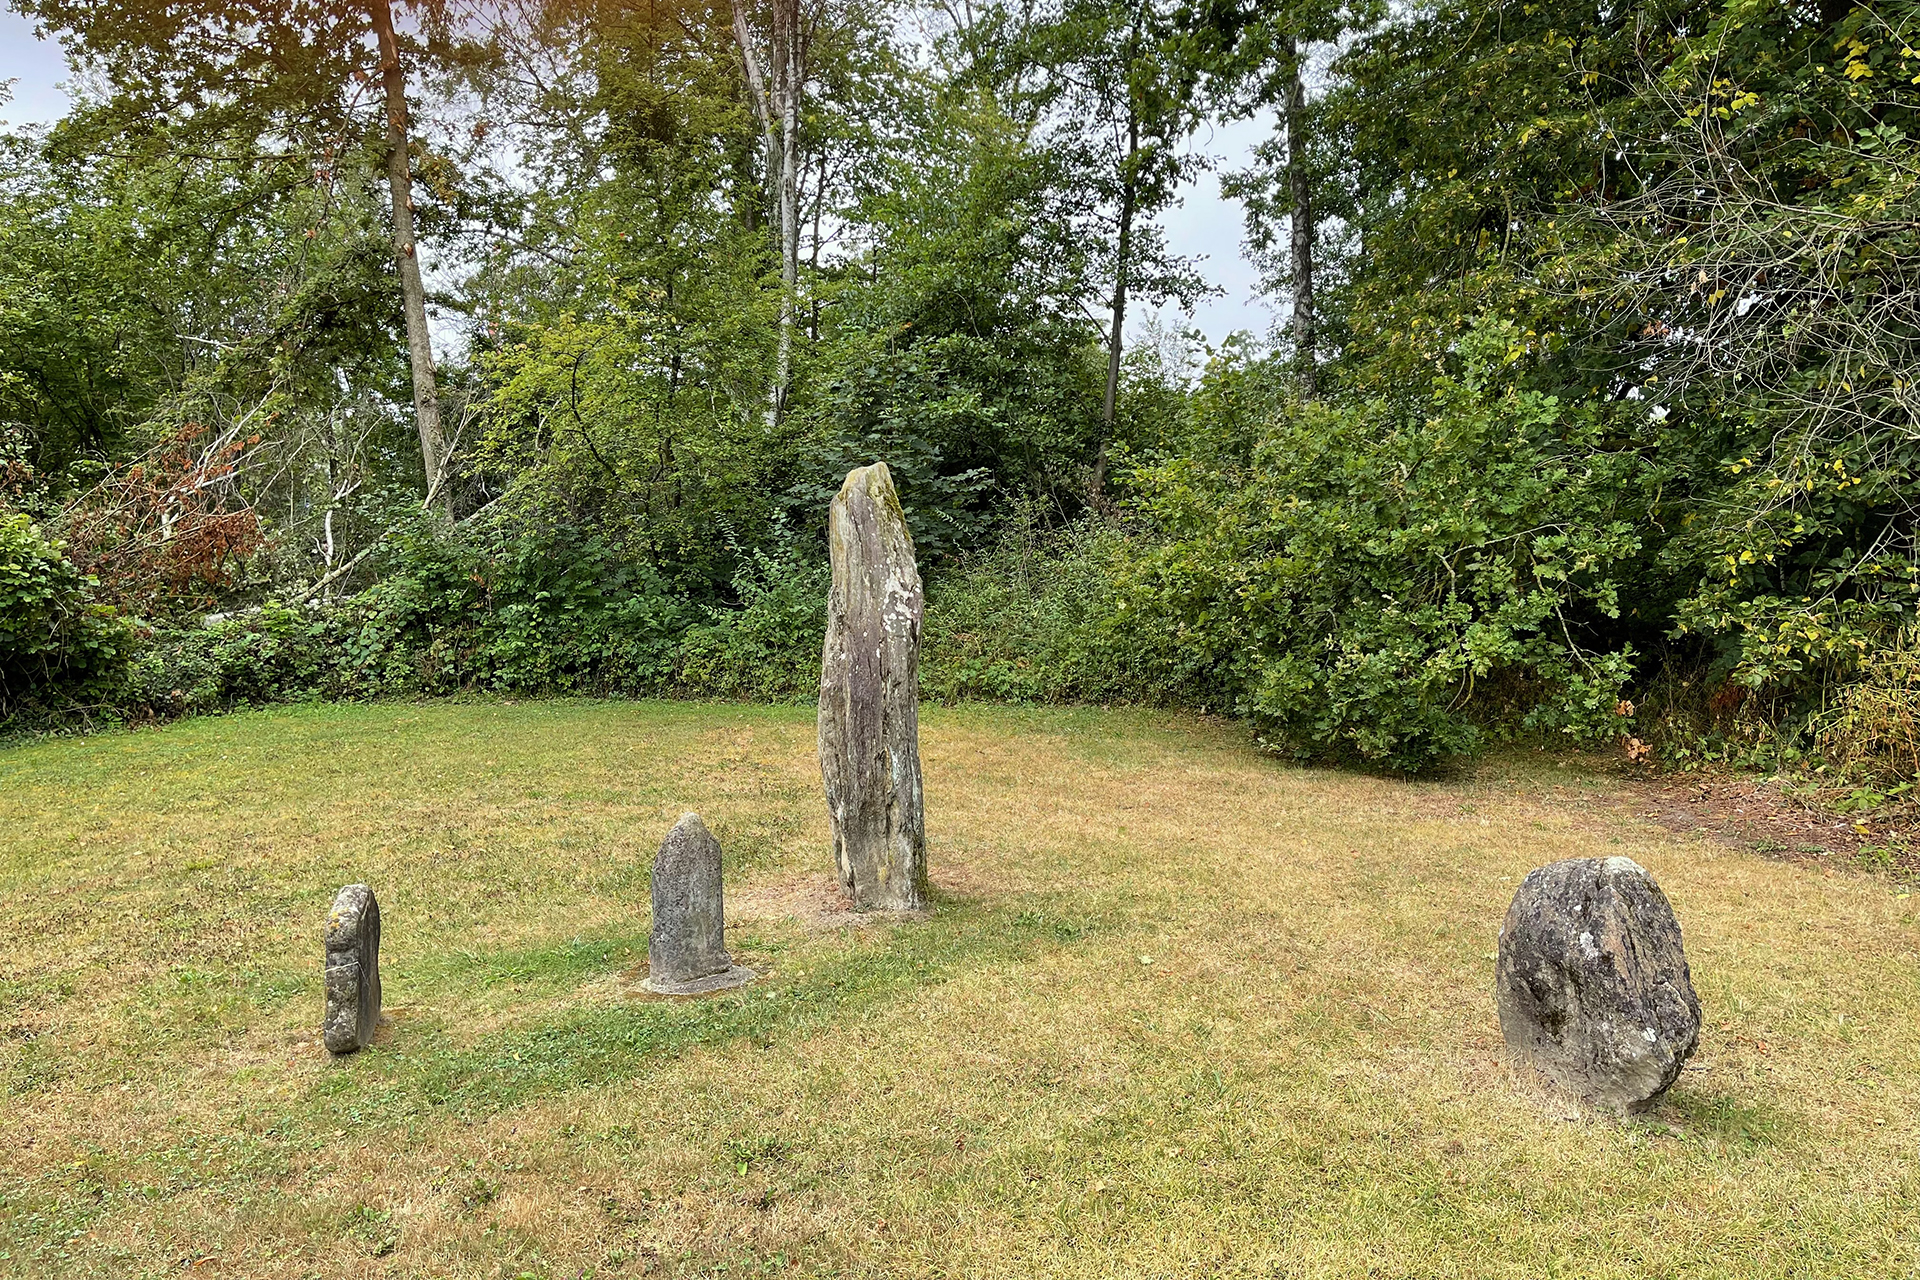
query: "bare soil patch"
1755, 813
816, 900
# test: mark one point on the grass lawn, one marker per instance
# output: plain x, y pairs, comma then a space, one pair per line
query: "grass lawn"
1181, 1011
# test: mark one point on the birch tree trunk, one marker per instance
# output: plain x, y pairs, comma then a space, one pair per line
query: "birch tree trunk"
413, 293
787, 23
776, 94
757, 92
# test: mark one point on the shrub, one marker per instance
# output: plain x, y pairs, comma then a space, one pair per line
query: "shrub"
266, 655
493, 608
1028, 622
58, 647
507, 609
769, 646
1355, 587
1872, 728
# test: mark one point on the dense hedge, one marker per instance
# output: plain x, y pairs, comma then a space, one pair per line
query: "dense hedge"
1387, 582
505, 612
1377, 578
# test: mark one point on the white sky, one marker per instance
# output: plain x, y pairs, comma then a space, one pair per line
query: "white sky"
1204, 225
35, 69
1210, 226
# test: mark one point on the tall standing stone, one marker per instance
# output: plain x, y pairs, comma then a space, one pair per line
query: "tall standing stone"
870, 696
686, 953
353, 970
1593, 986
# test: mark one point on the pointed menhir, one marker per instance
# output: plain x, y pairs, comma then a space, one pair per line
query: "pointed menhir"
353, 970
870, 696
1593, 985
686, 953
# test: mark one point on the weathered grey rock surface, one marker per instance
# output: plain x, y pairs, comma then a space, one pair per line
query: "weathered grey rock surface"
353, 970
686, 953
870, 697
1592, 983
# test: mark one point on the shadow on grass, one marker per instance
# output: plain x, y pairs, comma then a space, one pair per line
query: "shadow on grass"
561, 964
423, 1070
1738, 1126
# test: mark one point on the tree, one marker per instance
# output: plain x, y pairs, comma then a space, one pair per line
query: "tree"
413, 293
777, 101
1694, 213
262, 79
815, 74
1113, 87
956, 345
627, 333
1755, 281
1301, 220
1262, 62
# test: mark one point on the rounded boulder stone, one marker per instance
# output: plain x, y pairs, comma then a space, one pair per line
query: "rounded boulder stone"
1593, 986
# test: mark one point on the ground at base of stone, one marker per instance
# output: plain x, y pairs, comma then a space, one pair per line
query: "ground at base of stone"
819, 902
737, 976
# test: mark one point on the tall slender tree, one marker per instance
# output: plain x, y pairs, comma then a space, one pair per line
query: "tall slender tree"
1114, 88
1262, 61
406, 257
1301, 221
776, 73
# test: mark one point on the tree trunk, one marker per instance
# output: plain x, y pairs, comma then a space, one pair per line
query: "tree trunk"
1300, 193
413, 294
1129, 198
757, 97
791, 80
776, 101
813, 259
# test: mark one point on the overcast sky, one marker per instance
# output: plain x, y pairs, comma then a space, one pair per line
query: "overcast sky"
1204, 225
34, 68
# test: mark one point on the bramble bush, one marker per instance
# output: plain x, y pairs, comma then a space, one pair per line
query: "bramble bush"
1027, 621
486, 608
499, 611
768, 647
500, 607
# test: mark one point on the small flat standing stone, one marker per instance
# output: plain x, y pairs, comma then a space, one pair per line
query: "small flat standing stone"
870, 697
353, 970
686, 954
1592, 985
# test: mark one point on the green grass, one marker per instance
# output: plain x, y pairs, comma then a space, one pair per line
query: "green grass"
1181, 1010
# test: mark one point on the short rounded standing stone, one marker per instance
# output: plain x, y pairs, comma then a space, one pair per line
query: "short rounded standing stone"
686, 952
353, 970
1592, 984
